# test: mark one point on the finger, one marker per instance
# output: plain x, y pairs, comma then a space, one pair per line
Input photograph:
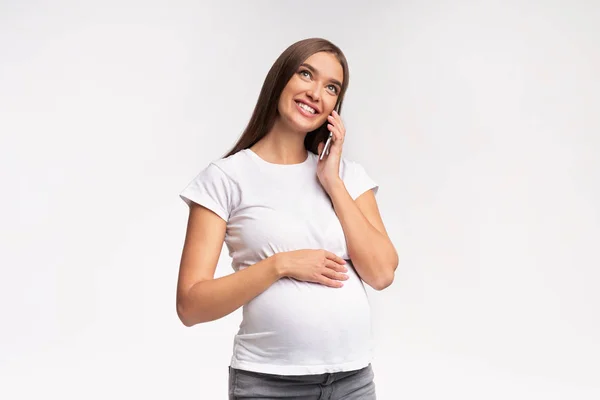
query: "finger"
330, 273
338, 121
337, 135
334, 278
333, 130
335, 257
331, 283
333, 123
338, 124
335, 266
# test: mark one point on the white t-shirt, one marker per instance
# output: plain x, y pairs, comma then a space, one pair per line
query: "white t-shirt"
293, 327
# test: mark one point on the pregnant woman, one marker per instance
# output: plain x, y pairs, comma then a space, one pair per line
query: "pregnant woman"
304, 232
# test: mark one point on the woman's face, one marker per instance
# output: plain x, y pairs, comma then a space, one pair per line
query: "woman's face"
312, 92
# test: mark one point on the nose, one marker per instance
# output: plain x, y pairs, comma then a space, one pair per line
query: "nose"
314, 94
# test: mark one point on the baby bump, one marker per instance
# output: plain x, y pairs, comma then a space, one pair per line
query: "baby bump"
292, 315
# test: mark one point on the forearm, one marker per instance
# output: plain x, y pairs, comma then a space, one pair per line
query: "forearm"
215, 298
372, 253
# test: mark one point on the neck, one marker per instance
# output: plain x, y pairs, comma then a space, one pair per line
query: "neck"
282, 145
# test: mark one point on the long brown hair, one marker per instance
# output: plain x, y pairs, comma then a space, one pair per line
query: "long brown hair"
265, 111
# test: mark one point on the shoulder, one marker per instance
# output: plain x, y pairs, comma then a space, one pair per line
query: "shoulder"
356, 178
231, 166
348, 166
216, 186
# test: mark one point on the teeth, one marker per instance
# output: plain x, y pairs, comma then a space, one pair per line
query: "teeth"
307, 108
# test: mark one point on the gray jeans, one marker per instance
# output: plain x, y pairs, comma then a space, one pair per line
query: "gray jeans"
347, 385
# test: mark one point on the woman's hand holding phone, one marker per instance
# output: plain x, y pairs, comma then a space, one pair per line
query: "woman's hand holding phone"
328, 166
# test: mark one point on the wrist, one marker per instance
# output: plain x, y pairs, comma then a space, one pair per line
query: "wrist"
278, 265
336, 184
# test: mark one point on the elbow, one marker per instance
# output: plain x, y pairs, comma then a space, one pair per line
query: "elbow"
183, 315
386, 279
383, 283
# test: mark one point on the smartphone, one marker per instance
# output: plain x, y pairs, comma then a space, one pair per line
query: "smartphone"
329, 139
326, 147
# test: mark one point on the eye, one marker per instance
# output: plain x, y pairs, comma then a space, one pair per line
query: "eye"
334, 88
305, 71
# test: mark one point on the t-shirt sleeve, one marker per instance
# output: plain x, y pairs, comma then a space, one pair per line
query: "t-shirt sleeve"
211, 188
359, 181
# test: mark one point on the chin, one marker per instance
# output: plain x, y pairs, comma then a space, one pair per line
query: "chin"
302, 125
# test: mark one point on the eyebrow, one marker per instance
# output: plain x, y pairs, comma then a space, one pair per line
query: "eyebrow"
313, 69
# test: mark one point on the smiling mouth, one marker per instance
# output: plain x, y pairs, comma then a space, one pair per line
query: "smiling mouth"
306, 110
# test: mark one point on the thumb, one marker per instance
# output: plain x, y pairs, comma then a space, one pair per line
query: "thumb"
320, 147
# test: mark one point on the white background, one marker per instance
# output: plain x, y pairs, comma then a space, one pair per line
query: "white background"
479, 120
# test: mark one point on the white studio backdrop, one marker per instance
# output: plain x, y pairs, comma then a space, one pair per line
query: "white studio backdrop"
479, 120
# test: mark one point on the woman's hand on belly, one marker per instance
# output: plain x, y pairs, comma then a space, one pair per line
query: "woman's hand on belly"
312, 265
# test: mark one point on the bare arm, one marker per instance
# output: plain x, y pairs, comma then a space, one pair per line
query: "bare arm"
369, 246
200, 297
215, 298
